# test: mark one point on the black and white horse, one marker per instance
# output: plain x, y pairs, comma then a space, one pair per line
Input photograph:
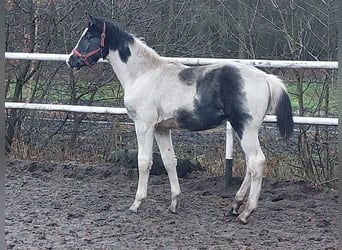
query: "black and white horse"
161, 95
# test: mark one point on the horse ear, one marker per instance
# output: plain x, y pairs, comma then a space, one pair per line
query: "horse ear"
91, 19
96, 21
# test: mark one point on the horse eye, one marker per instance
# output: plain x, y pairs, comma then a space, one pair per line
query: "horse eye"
88, 37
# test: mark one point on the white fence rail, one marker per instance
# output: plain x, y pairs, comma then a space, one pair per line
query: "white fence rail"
117, 111
66, 108
187, 61
195, 61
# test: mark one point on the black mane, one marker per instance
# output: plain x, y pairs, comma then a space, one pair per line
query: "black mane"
117, 38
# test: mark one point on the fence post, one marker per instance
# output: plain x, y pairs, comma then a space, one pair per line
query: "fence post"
229, 155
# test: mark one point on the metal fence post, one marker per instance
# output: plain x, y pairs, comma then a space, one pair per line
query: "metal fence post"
229, 155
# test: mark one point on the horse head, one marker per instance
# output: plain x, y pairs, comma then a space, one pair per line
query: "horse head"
91, 45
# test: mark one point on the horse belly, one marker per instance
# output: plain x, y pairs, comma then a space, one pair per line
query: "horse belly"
168, 124
204, 120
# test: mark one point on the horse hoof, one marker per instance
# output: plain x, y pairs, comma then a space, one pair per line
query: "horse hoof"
243, 220
172, 209
234, 212
133, 209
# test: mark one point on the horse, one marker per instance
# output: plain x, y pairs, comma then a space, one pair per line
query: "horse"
161, 95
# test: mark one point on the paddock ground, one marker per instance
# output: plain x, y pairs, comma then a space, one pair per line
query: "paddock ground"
51, 205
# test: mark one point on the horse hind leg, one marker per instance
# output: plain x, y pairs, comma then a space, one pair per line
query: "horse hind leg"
163, 139
241, 194
255, 161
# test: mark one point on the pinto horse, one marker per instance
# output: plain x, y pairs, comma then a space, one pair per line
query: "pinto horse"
161, 95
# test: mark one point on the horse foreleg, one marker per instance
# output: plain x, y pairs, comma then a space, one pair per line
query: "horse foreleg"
163, 139
145, 143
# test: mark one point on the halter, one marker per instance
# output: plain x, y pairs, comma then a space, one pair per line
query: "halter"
93, 52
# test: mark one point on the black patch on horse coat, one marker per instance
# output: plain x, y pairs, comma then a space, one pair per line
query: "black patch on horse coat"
220, 97
187, 76
116, 38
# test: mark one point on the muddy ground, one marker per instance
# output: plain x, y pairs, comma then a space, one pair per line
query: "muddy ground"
72, 206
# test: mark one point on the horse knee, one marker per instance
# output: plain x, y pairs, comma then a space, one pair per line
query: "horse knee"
144, 163
170, 163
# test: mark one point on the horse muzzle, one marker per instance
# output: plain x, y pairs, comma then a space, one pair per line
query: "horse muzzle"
75, 62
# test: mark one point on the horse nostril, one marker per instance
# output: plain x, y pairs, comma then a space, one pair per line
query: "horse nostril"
71, 61
74, 62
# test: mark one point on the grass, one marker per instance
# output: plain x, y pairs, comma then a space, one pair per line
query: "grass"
110, 94
311, 98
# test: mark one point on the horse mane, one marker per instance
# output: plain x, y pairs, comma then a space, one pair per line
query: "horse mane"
141, 49
137, 45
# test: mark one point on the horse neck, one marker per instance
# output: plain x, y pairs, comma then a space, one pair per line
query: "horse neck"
142, 60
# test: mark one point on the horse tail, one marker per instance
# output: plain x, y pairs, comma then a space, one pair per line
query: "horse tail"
280, 105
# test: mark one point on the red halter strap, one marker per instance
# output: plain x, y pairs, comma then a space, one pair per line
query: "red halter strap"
93, 52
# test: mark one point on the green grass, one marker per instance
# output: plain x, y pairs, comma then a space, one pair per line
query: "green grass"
311, 99
60, 93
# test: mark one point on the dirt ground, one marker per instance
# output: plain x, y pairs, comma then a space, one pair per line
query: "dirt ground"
69, 206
